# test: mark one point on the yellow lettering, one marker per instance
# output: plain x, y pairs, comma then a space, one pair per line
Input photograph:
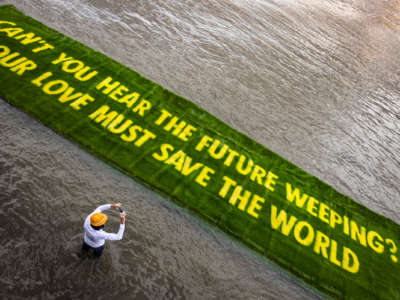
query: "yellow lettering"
107, 85
24, 66
81, 101
255, 206
38, 81
323, 212
68, 96
164, 115
281, 221
311, 207
203, 143
63, 57
7, 22
333, 254
173, 124
187, 132
228, 183
80, 75
350, 257
28, 38
237, 195
188, 169
177, 159
129, 99
375, 241
55, 87
133, 130
42, 48
346, 226
5, 51
270, 182
204, 176
113, 127
232, 154
11, 31
291, 195
144, 138
213, 150
72, 66
5, 61
118, 92
258, 174
321, 244
358, 234
335, 219
101, 115
164, 152
142, 107
239, 165
298, 229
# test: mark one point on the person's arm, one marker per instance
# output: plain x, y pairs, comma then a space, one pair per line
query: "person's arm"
100, 209
106, 206
116, 236
116, 206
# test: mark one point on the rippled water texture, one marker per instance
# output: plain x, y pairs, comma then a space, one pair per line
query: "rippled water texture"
315, 81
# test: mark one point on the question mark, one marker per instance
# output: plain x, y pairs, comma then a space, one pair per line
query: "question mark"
393, 249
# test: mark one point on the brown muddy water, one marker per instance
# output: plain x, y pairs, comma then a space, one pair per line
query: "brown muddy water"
315, 81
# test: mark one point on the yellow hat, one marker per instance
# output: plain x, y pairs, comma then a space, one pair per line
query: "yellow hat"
98, 219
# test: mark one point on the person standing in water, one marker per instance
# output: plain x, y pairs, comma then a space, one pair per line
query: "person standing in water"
94, 238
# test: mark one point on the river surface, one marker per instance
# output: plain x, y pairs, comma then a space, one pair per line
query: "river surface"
318, 82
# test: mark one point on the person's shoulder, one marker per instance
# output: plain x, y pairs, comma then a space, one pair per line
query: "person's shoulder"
102, 232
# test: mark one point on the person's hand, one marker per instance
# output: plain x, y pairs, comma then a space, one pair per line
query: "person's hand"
116, 205
122, 216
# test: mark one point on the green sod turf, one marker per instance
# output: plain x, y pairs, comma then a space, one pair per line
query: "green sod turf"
178, 149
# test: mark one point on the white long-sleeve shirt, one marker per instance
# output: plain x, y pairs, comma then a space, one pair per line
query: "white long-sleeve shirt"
97, 238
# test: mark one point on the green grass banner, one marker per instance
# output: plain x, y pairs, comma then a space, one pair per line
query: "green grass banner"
183, 152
